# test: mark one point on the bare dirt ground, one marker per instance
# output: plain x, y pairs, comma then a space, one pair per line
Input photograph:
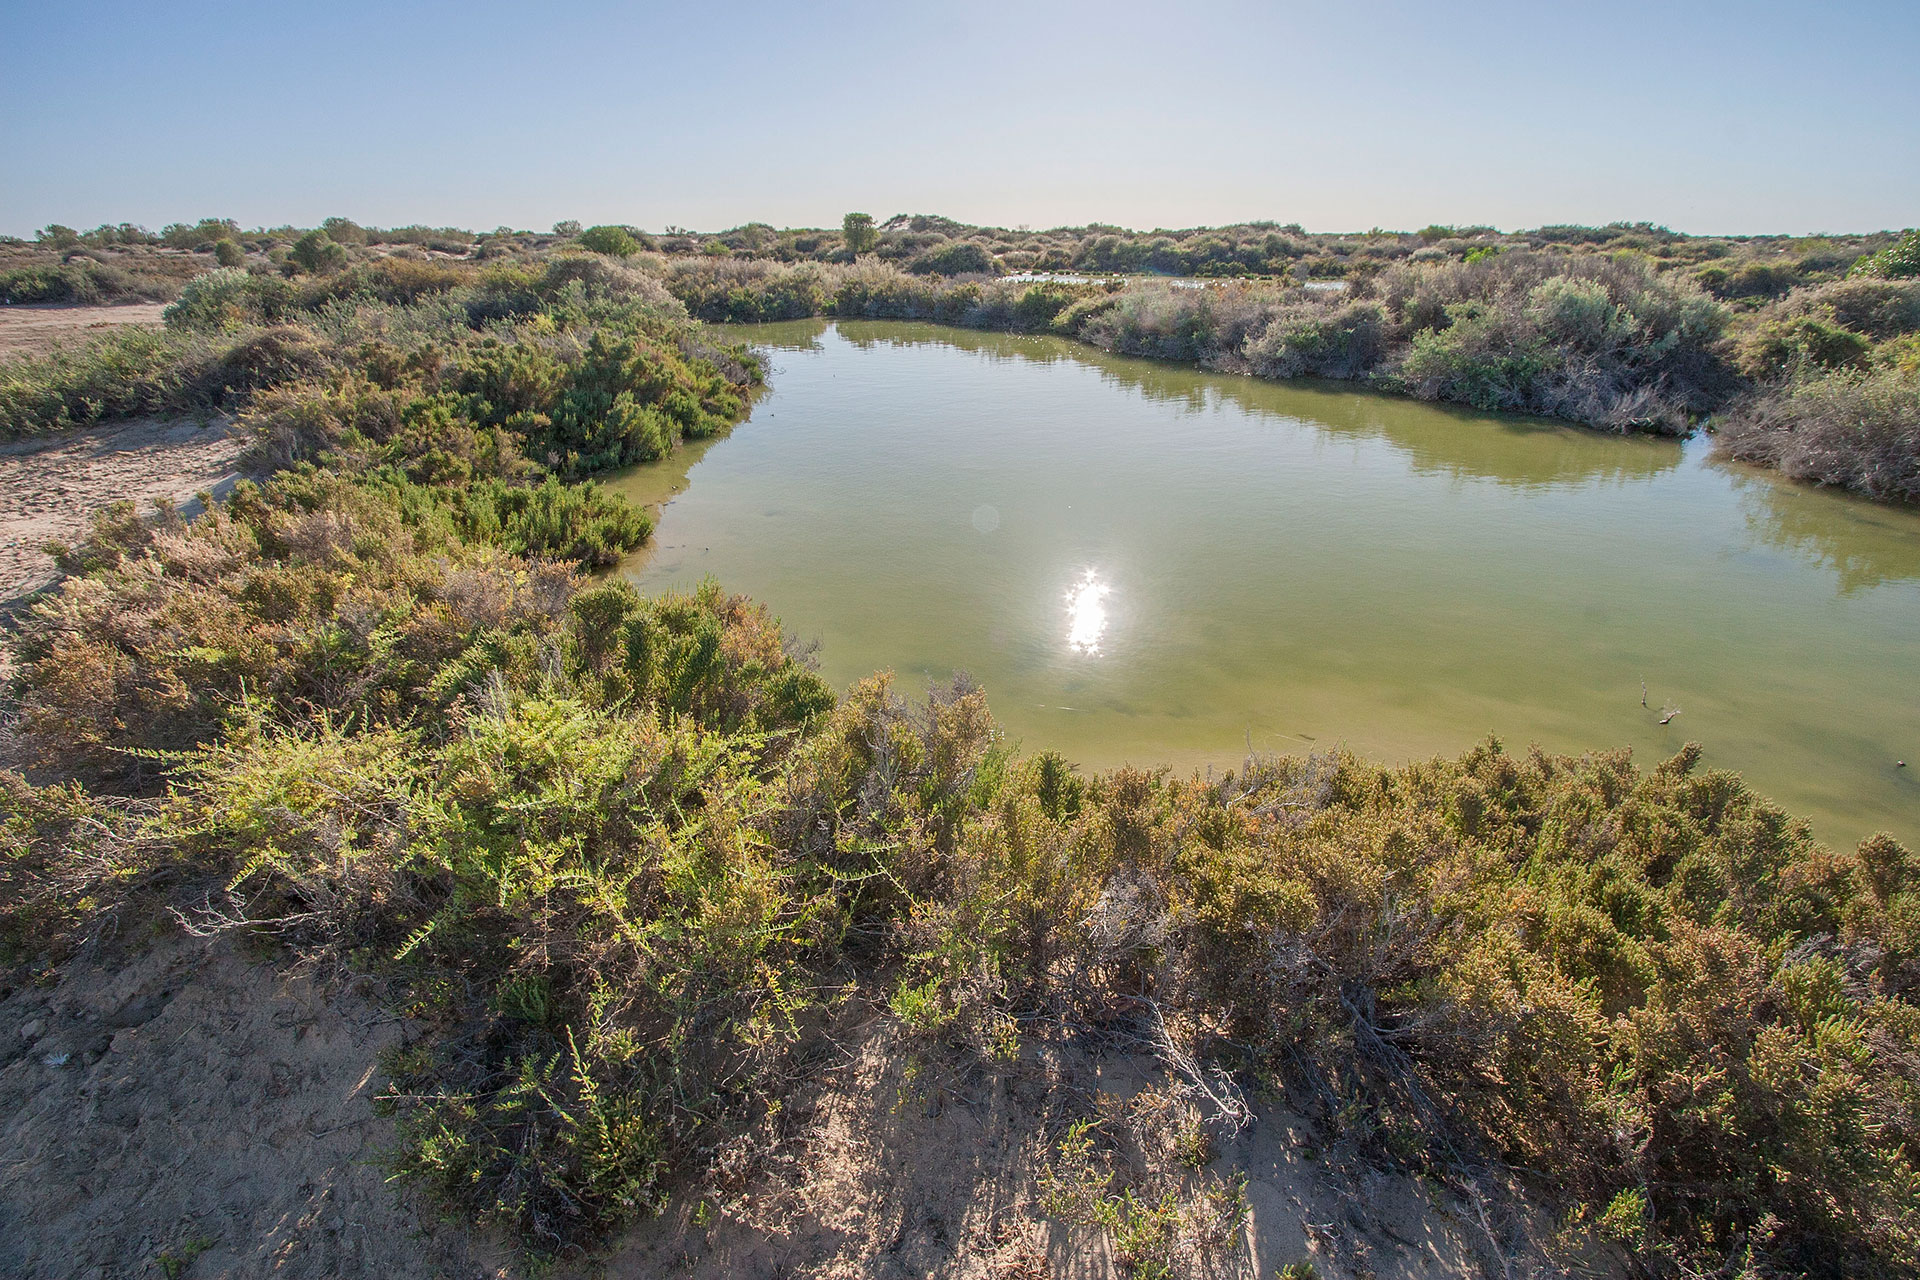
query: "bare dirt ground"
50, 488
893, 1167
189, 1113
192, 1114
35, 329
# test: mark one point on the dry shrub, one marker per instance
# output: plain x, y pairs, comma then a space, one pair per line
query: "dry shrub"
1855, 431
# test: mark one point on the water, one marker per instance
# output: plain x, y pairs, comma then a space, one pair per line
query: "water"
1145, 563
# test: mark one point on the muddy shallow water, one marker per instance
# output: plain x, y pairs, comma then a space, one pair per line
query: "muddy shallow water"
1150, 564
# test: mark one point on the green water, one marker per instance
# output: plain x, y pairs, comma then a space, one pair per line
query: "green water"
1297, 567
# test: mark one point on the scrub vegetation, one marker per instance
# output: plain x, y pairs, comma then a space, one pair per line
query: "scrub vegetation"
1803, 353
623, 859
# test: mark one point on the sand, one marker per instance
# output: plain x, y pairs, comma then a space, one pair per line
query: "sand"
36, 329
51, 486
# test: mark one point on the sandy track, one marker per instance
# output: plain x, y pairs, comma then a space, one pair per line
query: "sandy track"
184, 1104
49, 488
33, 330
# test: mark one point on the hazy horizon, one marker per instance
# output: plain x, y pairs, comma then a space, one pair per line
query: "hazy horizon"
1703, 117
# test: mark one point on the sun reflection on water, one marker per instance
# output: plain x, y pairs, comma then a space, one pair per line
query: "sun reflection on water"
1087, 616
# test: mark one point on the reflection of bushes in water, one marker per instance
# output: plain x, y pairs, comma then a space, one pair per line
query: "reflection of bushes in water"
1606, 341
1598, 341
1435, 437
1864, 544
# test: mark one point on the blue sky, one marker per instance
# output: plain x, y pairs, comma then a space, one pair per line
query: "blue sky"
1741, 118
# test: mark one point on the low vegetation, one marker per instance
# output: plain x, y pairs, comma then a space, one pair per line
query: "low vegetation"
622, 858
1801, 352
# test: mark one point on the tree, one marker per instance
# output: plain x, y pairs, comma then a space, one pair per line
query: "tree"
860, 233
344, 231
56, 236
568, 227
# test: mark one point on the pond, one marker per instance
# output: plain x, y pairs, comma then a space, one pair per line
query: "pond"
1144, 563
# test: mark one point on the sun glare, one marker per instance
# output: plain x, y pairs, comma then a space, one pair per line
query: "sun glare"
1087, 616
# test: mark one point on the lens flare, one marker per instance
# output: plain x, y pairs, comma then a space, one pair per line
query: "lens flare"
1086, 615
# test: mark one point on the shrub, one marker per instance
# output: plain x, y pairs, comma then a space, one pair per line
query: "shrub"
615, 242
1899, 261
316, 253
1878, 308
123, 373
1484, 356
1750, 279
219, 299
582, 524
87, 282
859, 234
1783, 348
1340, 341
954, 258
1857, 431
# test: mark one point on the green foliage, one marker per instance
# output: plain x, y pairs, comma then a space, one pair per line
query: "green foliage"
1899, 261
316, 253
615, 242
955, 258
175, 1262
123, 373
582, 523
1798, 345
212, 301
89, 281
859, 234
1480, 357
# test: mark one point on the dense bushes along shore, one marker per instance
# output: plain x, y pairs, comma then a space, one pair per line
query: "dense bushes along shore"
1823, 383
1803, 354
618, 857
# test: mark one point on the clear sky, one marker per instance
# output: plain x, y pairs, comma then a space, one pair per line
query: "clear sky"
1706, 116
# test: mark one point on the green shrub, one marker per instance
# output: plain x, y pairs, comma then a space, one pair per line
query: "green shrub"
1339, 341
615, 242
583, 523
218, 299
1899, 261
1783, 348
955, 258
123, 373
1878, 308
316, 253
